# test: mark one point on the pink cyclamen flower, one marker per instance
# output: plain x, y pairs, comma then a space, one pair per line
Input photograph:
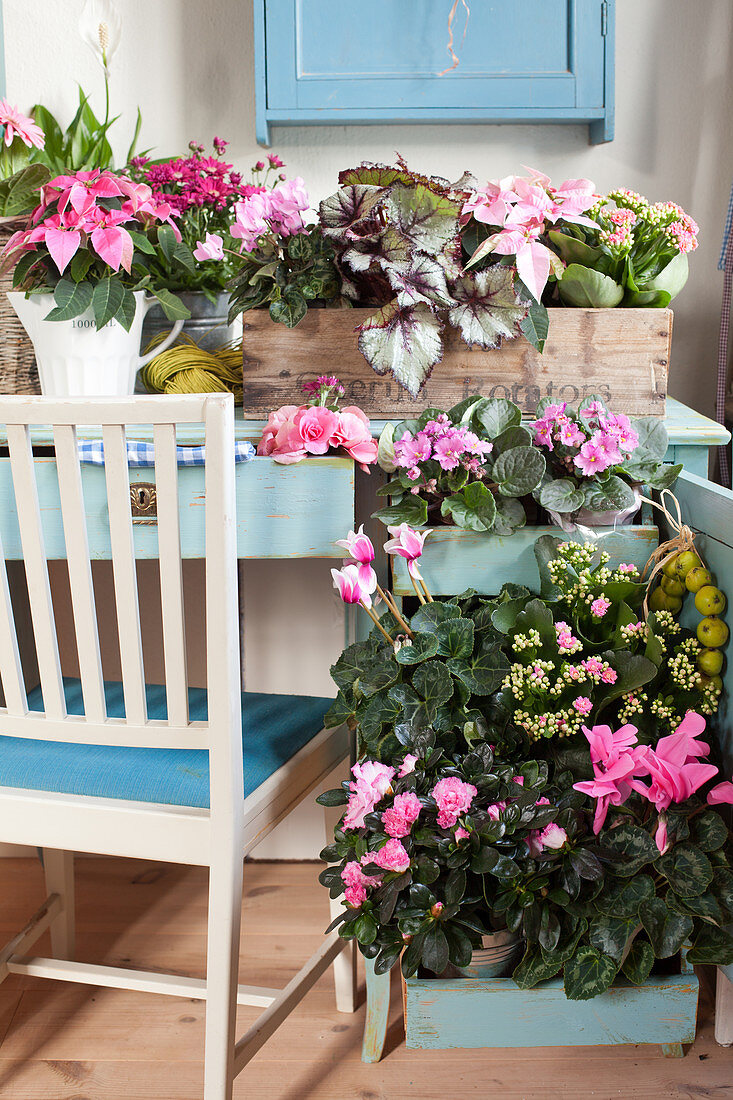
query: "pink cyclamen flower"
599, 607
16, 123
407, 543
583, 705
407, 766
360, 547
673, 765
211, 248
660, 836
392, 857
453, 797
721, 793
401, 815
348, 582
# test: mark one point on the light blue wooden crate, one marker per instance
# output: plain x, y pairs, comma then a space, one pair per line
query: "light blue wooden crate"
475, 1012
454, 559
293, 511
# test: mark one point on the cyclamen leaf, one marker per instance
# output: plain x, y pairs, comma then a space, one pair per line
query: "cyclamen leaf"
588, 974
622, 899
405, 342
666, 929
609, 934
535, 968
633, 846
712, 945
687, 869
488, 307
637, 966
709, 831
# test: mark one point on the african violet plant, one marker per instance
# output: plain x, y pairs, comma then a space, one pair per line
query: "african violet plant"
468, 467
595, 458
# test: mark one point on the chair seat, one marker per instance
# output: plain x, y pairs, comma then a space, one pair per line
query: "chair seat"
274, 729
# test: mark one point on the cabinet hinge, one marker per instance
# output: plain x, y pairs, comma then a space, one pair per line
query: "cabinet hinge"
604, 18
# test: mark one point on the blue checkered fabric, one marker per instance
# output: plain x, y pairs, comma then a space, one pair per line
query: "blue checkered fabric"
141, 453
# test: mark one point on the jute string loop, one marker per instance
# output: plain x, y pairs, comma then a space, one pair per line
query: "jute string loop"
187, 368
683, 539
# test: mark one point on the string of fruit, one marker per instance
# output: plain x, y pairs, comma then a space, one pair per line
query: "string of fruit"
682, 573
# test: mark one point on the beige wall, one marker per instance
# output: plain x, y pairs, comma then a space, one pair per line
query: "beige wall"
189, 66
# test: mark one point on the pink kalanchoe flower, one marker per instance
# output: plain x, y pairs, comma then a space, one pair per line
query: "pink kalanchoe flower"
16, 123
407, 766
407, 543
211, 248
583, 704
392, 857
609, 676
351, 589
721, 793
401, 815
627, 567
599, 607
453, 797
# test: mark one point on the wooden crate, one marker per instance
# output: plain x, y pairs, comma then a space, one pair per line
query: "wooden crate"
493, 1012
622, 354
454, 559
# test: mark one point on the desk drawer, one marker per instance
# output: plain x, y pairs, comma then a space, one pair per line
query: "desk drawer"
293, 511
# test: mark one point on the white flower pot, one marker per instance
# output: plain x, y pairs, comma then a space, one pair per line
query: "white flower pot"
75, 359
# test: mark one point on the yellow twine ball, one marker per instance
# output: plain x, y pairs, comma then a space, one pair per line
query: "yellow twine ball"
187, 368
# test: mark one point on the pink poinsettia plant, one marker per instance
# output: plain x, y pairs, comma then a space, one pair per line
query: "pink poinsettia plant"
90, 242
320, 426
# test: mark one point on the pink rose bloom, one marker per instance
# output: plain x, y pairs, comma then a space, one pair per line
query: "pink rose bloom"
599, 607
408, 765
392, 857
401, 816
453, 797
316, 426
353, 433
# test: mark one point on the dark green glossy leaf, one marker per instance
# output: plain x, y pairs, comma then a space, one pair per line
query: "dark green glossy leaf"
609, 934
666, 929
687, 870
637, 966
588, 974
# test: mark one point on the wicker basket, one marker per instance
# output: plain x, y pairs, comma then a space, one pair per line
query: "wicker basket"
18, 373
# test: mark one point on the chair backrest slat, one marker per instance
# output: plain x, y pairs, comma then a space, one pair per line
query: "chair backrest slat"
124, 572
80, 571
36, 567
11, 669
171, 573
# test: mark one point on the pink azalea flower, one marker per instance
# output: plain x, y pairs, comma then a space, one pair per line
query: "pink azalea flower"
599, 607
350, 587
392, 857
355, 896
453, 797
401, 815
460, 834
407, 766
553, 836
211, 248
361, 802
373, 775
407, 543
18, 124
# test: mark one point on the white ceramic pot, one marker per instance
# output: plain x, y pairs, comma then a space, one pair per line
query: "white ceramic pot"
75, 359
577, 521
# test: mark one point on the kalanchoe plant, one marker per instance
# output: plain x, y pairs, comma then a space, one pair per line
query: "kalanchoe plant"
595, 458
426, 846
468, 467
284, 263
635, 253
91, 243
398, 245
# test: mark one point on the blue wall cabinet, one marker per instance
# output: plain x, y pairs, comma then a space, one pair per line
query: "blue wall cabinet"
347, 61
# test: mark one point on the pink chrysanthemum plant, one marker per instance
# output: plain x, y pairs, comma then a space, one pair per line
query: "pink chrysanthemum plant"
428, 844
597, 460
468, 467
90, 242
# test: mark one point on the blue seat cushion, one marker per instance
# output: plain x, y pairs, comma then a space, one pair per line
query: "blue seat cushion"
274, 728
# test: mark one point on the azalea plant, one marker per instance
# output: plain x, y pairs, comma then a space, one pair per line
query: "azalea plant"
90, 243
468, 467
595, 458
203, 193
293, 432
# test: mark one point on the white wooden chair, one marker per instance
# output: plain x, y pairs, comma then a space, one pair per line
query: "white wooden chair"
54, 762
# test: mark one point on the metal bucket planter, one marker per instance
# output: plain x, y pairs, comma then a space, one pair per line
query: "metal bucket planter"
207, 324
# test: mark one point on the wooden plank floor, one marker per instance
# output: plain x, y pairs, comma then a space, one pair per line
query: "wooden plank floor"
68, 1042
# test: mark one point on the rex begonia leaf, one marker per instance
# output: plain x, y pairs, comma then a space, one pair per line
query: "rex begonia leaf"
488, 307
587, 288
347, 215
383, 175
426, 219
405, 342
423, 280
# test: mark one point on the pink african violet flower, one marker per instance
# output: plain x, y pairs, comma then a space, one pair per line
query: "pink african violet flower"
407, 766
590, 460
408, 451
392, 857
18, 124
592, 409
353, 433
453, 797
350, 586
407, 543
401, 815
607, 445
599, 607
570, 435
460, 834
211, 248
583, 705
721, 793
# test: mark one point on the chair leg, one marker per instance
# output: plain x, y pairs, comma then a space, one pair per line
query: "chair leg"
344, 965
222, 975
58, 868
723, 1009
